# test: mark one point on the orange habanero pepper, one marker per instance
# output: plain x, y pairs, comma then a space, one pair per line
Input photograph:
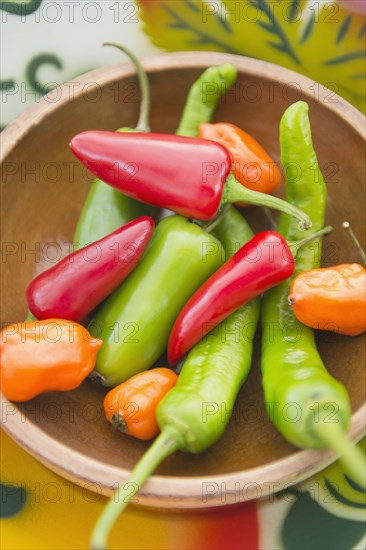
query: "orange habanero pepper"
42, 356
131, 406
332, 298
252, 166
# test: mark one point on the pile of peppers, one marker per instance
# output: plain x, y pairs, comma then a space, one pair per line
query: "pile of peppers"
131, 292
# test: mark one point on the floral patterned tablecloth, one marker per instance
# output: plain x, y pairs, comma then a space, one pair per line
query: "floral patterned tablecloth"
45, 43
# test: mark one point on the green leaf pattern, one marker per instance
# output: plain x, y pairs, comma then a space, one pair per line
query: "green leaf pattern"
287, 32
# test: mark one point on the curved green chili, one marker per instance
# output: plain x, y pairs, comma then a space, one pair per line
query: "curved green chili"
204, 96
217, 366
190, 415
299, 392
105, 208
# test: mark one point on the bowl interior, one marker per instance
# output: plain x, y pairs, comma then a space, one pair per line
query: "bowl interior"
43, 191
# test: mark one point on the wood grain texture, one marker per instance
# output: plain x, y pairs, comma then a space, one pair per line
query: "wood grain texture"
43, 189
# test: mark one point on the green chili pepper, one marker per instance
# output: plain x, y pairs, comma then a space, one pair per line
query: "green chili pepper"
215, 368
135, 321
189, 416
105, 208
203, 97
299, 392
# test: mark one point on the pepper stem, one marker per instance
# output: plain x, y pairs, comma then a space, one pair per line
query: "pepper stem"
118, 423
143, 121
96, 378
317, 235
350, 455
164, 445
347, 225
211, 226
30, 317
235, 192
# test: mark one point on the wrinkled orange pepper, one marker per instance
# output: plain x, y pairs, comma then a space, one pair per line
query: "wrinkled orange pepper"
252, 166
42, 356
332, 298
131, 406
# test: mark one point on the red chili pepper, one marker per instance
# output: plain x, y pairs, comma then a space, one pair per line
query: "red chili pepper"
190, 176
158, 169
263, 262
78, 283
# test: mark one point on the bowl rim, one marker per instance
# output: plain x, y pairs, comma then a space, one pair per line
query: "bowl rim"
108, 74
170, 491
173, 492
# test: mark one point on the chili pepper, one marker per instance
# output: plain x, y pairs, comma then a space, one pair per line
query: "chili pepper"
131, 406
204, 96
213, 373
105, 208
77, 284
135, 321
43, 356
332, 298
252, 166
188, 175
293, 372
261, 263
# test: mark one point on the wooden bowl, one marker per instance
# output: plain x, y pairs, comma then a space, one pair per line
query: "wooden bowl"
43, 191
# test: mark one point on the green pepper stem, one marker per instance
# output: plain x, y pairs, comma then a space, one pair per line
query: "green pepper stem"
211, 226
350, 455
235, 192
164, 445
30, 317
143, 121
317, 235
203, 97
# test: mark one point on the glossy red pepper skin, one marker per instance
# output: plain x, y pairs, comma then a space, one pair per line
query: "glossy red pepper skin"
186, 175
263, 262
77, 284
